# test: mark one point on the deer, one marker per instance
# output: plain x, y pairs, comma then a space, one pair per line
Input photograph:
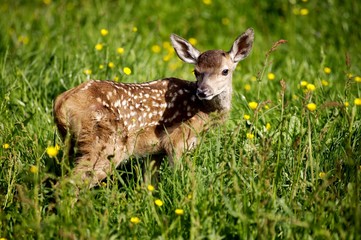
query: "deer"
109, 122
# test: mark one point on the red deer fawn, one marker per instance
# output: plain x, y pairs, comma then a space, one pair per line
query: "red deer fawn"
108, 122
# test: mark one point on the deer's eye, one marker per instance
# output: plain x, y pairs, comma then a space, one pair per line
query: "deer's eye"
225, 72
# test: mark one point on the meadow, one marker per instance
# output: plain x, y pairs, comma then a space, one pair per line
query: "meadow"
287, 164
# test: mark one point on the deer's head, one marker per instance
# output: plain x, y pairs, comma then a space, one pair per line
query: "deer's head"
214, 68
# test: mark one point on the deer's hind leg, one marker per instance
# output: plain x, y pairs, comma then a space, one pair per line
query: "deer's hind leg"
101, 148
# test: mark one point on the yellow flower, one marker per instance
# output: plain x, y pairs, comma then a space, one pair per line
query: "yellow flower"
46, 2
250, 135
304, 11
346, 104
207, 2
23, 39
6, 146
135, 29
225, 21
99, 46
167, 57
324, 83
104, 32
266, 107
150, 188
357, 101
156, 48
116, 78
271, 76
189, 196
246, 117
193, 41
327, 70
101, 66
247, 87
349, 75
303, 83
268, 126
167, 45
322, 174
87, 72
310, 87
357, 79
52, 151
127, 71
158, 202
104, 184
179, 211
311, 106
135, 220
111, 65
253, 105
34, 169
120, 50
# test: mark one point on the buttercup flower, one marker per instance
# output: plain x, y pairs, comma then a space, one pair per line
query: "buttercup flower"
310, 87
193, 41
253, 105
304, 11
346, 104
156, 48
246, 117
135, 29
104, 32
324, 83
268, 126
311, 106
322, 174
127, 71
6, 146
271, 76
357, 101
52, 151
111, 65
327, 70
247, 87
303, 83
207, 2
158, 202
87, 71
34, 169
150, 188
179, 211
357, 79
250, 135
120, 50
135, 220
99, 46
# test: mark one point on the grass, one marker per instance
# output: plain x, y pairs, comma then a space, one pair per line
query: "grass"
298, 178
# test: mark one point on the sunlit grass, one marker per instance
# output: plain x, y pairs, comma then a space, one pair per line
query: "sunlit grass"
286, 165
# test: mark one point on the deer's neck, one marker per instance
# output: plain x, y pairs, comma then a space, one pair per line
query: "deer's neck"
220, 103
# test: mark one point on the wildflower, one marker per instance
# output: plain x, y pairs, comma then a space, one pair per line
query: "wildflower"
322, 174
179, 211
357, 101
158, 202
250, 135
271, 76
253, 78
135, 220
34, 169
207, 2
6, 146
225, 21
327, 70
266, 107
167, 45
166, 58
346, 104
101, 66
23, 40
193, 41
304, 11
357, 79
120, 50
349, 75
268, 126
247, 87
150, 188
111, 65
104, 32
46, 2
135, 29
87, 72
116, 78
246, 117
310, 87
189, 196
311, 106
156, 48
127, 71
324, 83
303, 83
253, 105
99, 46
52, 151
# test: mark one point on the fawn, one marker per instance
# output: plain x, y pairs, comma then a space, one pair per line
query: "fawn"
108, 122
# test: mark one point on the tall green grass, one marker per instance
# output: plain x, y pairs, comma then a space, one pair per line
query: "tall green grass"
277, 171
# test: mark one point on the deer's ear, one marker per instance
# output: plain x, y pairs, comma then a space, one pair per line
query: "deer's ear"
184, 49
242, 46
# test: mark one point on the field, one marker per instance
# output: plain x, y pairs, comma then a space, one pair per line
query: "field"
287, 165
